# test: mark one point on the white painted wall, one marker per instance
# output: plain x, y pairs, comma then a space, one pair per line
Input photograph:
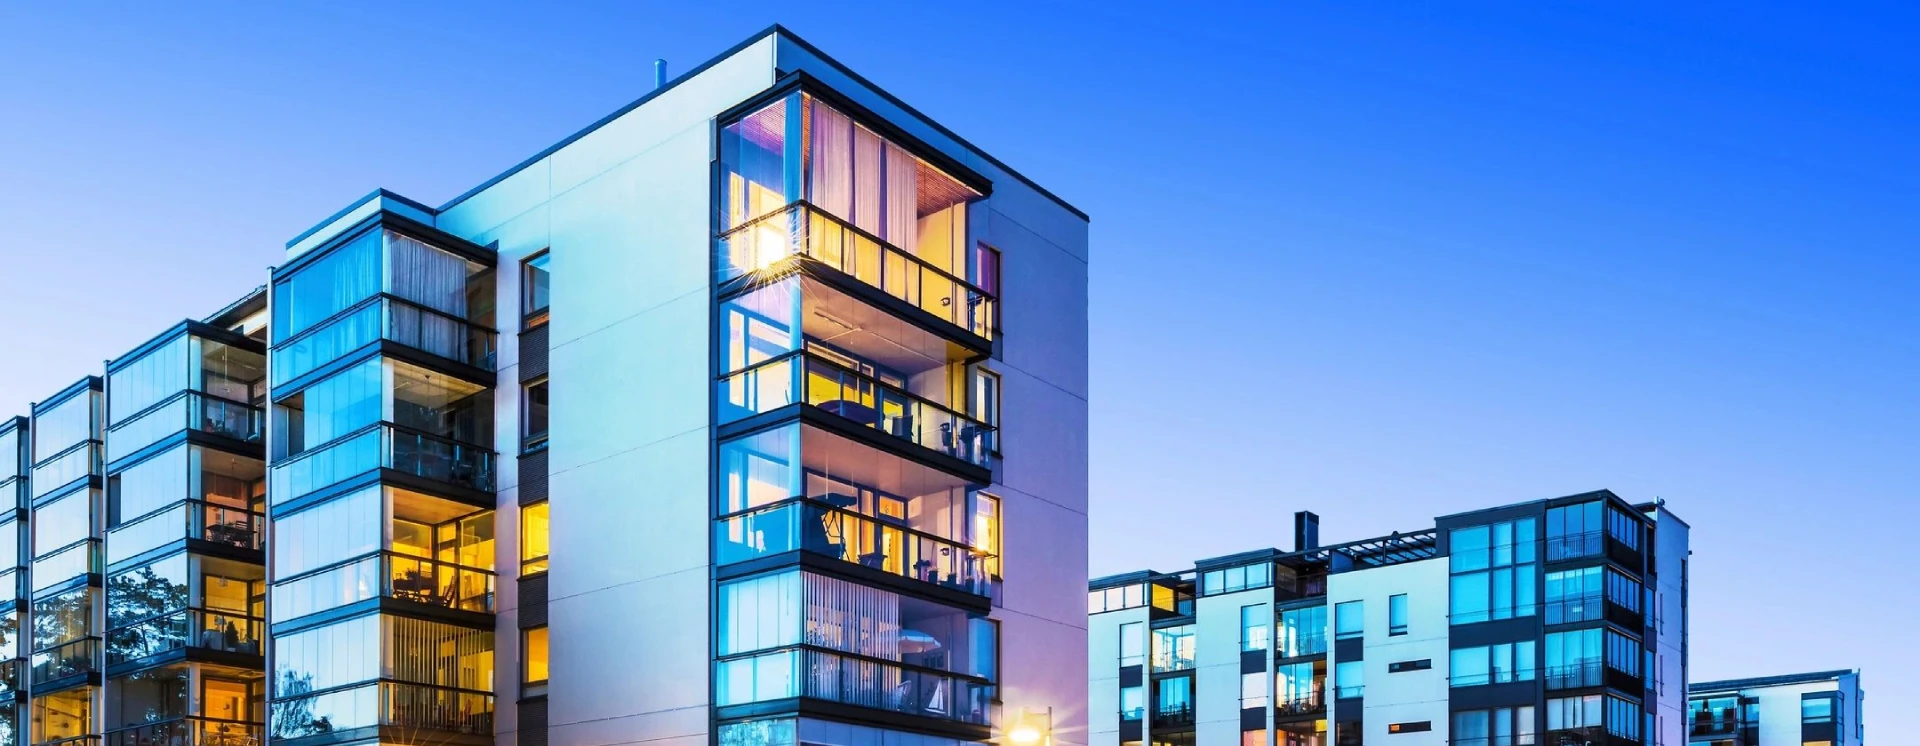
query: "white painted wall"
1671, 544
1217, 664
1103, 671
1400, 697
625, 211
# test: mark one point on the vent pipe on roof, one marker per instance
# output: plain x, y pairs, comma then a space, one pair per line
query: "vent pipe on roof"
659, 74
1306, 531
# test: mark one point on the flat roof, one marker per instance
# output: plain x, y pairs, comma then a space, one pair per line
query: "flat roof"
1702, 687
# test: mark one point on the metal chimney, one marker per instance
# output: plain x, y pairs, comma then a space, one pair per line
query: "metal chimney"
1306, 531
659, 74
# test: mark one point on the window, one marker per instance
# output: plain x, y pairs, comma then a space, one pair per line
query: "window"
1300, 687
1253, 738
1573, 531
1816, 710
1253, 690
535, 289
1493, 571
983, 533
1132, 703
1349, 620
1493, 664
1404, 666
533, 414
986, 269
1623, 718
1573, 659
1623, 591
1624, 527
1420, 726
533, 538
1504, 726
986, 397
1397, 615
533, 655
1174, 696
1173, 648
1623, 653
1253, 627
1568, 713
1303, 632
1574, 595
1115, 599
1235, 579
1132, 644
1349, 679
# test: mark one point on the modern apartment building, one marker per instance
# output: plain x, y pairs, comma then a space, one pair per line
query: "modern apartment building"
1560, 622
1822, 708
754, 413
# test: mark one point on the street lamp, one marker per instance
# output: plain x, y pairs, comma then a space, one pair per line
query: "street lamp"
1032, 728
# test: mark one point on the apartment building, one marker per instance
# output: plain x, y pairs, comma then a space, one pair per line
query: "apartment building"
754, 413
1821, 708
1559, 621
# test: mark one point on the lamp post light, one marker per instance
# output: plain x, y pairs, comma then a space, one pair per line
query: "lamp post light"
1032, 728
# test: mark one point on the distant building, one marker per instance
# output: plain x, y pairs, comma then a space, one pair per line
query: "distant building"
1803, 709
1559, 621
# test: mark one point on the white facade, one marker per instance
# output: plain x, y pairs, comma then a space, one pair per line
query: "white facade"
1775, 708
1409, 696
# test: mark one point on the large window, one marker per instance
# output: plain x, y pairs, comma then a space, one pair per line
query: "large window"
1133, 642
1568, 713
1173, 648
1397, 614
1574, 595
1349, 620
1173, 696
1253, 690
1494, 571
1349, 679
533, 428
1133, 703
1303, 631
1117, 598
533, 657
533, 538
1493, 664
535, 290
62, 522
1254, 625
1574, 531
1504, 726
1236, 579
1574, 659
1300, 687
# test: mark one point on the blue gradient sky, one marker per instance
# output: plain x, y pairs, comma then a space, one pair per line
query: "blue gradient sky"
1382, 261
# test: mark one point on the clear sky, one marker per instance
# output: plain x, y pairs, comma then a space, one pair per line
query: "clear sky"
1383, 261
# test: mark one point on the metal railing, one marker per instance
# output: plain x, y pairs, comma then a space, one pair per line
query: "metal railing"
1582, 608
1575, 546
186, 410
190, 731
429, 581
802, 230
70, 659
801, 524
391, 318
802, 376
224, 631
1307, 705
388, 446
1172, 717
187, 519
865, 682
433, 708
1586, 673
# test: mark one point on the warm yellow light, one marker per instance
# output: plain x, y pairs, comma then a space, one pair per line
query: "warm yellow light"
770, 246
1024, 733
1029, 729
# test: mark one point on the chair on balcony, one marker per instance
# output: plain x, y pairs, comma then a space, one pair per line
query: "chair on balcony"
852, 410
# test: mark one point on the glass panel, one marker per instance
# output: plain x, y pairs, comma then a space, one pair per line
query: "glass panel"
144, 382
328, 286
533, 538
753, 164
66, 425
60, 523
330, 532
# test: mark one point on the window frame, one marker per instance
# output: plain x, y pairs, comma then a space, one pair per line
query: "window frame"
529, 687
531, 442
1397, 615
530, 317
545, 560
1360, 613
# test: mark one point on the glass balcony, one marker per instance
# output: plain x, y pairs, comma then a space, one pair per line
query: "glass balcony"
84, 740
190, 731
198, 628
1574, 676
811, 378
10, 681
438, 583
71, 659
72, 561
392, 319
189, 410
804, 233
191, 519
410, 706
811, 526
385, 446
1308, 704
73, 464
854, 680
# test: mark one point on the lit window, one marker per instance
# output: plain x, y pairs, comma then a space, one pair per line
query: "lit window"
535, 292
533, 538
533, 652
1397, 614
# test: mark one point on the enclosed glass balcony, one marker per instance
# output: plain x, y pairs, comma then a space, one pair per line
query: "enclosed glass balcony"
386, 317
74, 560
808, 377
62, 470
67, 660
205, 629
854, 680
384, 446
190, 731
811, 526
185, 411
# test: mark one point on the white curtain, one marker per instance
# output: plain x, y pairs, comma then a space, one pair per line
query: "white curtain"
867, 148
431, 278
903, 206
830, 177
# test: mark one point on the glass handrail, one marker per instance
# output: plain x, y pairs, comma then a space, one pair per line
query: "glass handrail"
61, 470
801, 229
805, 525
865, 682
70, 659
804, 376
430, 581
69, 562
226, 631
420, 707
390, 318
383, 445
189, 731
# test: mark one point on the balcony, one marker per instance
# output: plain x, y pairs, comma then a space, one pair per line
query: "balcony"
71, 659
62, 470
809, 236
387, 446
190, 519
804, 376
72, 561
1312, 704
802, 524
82, 740
881, 685
389, 318
1173, 718
190, 731
436, 583
412, 707
190, 411
10, 681
220, 631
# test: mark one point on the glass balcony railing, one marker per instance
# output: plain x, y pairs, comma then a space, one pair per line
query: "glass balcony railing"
190, 731
1303, 704
10, 681
385, 446
805, 377
187, 410
190, 519
74, 560
438, 583
389, 318
1574, 546
805, 525
65, 468
420, 707
228, 632
1177, 717
1574, 676
71, 659
855, 680
801, 230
